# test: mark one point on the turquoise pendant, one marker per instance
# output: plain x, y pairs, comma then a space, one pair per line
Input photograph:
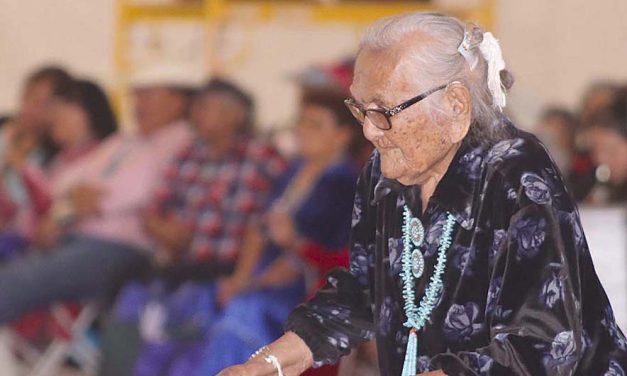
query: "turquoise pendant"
417, 263
413, 266
411, 355
416, 231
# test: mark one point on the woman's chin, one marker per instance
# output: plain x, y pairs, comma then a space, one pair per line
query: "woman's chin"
391, 172
399, 173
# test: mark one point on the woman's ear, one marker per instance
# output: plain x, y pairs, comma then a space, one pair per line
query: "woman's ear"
459, 105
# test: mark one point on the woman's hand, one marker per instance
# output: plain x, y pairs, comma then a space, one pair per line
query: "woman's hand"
292, 353
241, 370
254, 367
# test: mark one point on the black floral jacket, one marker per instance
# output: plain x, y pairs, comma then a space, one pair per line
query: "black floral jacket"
520, 296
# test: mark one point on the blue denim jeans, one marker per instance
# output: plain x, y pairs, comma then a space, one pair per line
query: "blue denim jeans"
80, 268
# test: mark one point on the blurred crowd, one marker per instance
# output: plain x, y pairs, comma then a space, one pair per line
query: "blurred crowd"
194, 235
589, 145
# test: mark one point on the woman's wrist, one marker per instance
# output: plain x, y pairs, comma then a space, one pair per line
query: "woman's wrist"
291, 353
265, 354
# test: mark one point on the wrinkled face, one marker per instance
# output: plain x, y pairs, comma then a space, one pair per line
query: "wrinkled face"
217, 115
608, 147
319, 135
69, 125
417, 141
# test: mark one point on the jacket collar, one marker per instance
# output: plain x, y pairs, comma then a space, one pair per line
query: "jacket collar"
455, 192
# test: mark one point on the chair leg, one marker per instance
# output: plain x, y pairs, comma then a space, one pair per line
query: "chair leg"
8, 363
55, 354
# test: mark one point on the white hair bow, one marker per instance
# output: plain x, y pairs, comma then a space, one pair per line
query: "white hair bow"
491, 51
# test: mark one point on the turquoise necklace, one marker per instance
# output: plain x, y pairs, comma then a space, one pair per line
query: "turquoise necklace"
413, 268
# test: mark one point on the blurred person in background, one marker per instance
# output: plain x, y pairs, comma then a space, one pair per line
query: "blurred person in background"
310, 206
30, 120
335, 80
80, 117
556, 130
24, 150
210, 195
596, 99
102, 200
606, 139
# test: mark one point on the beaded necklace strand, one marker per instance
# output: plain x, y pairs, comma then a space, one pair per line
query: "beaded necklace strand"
413, 265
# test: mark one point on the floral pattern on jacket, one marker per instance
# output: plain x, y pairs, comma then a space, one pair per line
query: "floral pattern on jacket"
520, 296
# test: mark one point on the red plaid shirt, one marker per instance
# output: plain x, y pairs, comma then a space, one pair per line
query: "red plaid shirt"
219, 198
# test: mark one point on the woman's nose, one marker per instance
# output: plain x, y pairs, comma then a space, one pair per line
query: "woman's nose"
371, 132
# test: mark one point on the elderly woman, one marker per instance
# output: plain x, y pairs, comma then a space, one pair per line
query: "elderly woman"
467, 254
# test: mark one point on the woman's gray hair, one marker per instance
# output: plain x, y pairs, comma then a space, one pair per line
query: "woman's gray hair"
441, 61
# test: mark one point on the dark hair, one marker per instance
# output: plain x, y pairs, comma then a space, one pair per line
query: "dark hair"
92, 99
58, 77
614, 117
586, 114
568, 118
333, 100
218, 85
4, 119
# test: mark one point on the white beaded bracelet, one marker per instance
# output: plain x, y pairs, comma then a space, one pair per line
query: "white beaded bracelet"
263, 349
269, 358
275, 362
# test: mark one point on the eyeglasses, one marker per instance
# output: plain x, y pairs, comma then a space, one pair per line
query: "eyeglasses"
380, 117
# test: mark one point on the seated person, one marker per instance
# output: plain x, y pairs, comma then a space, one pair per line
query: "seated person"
311, 204
24, 150
31, 117
213, 191
606, 138
80, 118
105, 196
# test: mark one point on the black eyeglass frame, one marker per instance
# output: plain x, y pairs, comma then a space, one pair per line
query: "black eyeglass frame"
351, 104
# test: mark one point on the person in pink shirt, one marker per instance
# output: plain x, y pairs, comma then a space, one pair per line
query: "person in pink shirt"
80, 117
99, 204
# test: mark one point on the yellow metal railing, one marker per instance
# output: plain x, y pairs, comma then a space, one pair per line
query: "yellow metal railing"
220, 12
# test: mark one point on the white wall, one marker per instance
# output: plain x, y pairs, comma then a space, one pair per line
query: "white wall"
276, 54
76, 33
556, 48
